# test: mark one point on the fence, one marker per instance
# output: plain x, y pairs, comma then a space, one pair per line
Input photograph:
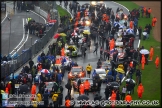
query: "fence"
12, 66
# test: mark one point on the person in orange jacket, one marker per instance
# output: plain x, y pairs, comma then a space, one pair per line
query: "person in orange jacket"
154, 20
143, 61
78, 15
67, 103
113, 98
39, 66
140, 90
128, 99
62, 52
144, 10
149, 12
58, 61
33, 91
6, 90
131, 24
151, 53
157, 60
81, 88
87, 86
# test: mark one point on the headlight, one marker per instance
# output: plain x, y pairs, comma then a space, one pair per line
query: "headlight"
93, 3
70, 74
80, 74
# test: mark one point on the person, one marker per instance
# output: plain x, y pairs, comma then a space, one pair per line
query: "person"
81, 88
59, 75
124, 90
143, 61
54, 99
67, 103
140, 90
78, 83
59, 99
31, 63
99, 82
128, 99
138, 76
149, 12
131, 24
96, 47
86, 87
69, 86
88, 69
157, 60
46, 98
55, 87
154, 20
113, 98
39, 97
107, 92
33, 90
101, 52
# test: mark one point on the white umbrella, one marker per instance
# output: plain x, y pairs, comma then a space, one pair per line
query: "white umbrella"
144, 33
129, 31
127, 80
116, 23
144, 51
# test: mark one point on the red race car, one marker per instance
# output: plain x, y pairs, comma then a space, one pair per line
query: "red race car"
76, 72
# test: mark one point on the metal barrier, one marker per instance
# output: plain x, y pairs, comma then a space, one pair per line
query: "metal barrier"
8, 68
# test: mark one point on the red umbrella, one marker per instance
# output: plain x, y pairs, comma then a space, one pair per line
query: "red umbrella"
52, 21
45, 71
56, 36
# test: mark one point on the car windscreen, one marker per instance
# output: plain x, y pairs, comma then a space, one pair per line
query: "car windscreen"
101, 72
76, 70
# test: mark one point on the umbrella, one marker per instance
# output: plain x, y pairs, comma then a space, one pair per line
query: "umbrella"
60, 30
130, 31
130, 80
113, 84
144, 51
116, 23
83, 97
44, 71
110, 77
144, 33
120, 70
56, 36
63, 34
130, 35
86, 4
86, 32
23, 88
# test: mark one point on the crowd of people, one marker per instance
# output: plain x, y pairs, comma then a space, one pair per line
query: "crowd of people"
101, 36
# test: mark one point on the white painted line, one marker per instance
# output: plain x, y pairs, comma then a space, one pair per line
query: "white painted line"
4, 17
39, 15
66, 10
20, 41
138, 43
25, 40
121, 5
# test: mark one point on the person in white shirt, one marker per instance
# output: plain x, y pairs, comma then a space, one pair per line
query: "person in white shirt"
124, 89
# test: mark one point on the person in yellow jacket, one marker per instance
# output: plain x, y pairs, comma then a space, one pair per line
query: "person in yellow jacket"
88, 69
34, 103
54, 98
39, 97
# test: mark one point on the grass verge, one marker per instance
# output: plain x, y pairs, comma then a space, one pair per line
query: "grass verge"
151, 77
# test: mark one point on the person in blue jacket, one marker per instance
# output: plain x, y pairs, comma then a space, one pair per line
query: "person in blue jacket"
94, 73
39, 59
59, 76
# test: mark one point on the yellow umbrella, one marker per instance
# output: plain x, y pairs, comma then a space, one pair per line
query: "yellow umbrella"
2, 91
120, 70
86, 32
63, 34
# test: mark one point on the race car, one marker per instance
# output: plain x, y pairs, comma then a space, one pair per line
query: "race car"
102, 74
75, 83
119, 15
106, 64
76, 72
71, 50
65, 59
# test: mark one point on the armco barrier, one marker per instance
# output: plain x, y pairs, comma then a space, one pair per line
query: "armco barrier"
32, 52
